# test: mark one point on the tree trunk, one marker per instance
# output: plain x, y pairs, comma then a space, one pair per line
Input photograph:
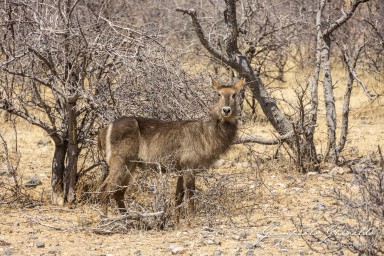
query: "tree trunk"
278, 119
345, 113
57, 196
331, 153
351, 65
73, 154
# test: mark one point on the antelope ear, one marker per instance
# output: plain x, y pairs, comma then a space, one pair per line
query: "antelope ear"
215, 84
239, 84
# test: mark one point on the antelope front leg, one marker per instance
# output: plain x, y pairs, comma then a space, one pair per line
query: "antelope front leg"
185, 190
104, 198
179, 198
189, 192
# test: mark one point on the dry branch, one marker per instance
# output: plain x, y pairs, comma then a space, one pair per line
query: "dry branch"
351, 64
261, 140
344, 18
203, 39
351, 69
133, 216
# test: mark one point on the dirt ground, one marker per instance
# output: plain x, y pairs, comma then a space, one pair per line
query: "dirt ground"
49, 230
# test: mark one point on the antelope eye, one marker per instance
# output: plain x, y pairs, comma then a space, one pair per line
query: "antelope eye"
233, 95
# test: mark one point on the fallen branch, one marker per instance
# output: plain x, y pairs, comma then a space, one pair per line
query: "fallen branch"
37, 221
134, 216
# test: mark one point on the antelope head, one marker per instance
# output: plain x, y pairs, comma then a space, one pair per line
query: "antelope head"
226, 108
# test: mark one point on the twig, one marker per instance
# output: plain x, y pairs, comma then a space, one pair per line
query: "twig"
353, 73
35, 220
381, 158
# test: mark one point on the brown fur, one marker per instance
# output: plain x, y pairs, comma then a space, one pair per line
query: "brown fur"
188, 145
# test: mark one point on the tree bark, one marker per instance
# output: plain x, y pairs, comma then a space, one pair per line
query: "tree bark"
329, 98
73, 154
351, 64
57, 196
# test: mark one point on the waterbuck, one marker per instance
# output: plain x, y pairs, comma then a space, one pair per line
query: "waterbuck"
187, 145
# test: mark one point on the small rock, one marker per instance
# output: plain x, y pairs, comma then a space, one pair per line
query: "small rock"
289, 177
204, 254
33, 182
311, 174
276, 242
138, 253
218, 253
319, 207
3, 172
208, 229
243, 164
219, 163
325, 171
236, 237
337, 170
243, 235
54, 252
250, 253
178, 250
236, 252
8, 252
40, 244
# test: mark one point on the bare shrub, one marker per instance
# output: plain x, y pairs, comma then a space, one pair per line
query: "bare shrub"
11, 184
149, 201
355, 222
230, 196
227, 193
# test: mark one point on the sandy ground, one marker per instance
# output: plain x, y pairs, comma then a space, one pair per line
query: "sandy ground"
48, 230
